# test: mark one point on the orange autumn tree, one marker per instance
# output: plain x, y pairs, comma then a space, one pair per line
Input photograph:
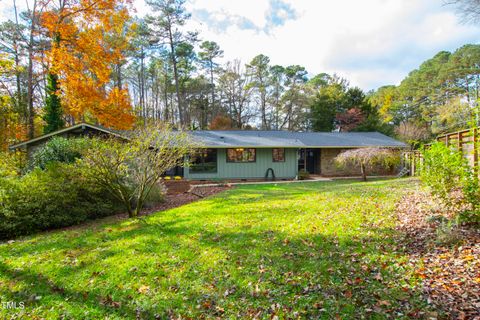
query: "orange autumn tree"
89, 39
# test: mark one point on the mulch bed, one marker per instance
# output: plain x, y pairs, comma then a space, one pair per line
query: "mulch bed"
177, 187
447, 259
179, 193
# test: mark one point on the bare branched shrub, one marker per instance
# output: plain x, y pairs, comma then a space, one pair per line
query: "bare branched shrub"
131, 169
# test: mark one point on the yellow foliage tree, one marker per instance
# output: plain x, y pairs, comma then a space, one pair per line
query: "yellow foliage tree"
89, 39
11, 128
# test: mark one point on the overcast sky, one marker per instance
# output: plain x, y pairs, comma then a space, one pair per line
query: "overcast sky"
370, 42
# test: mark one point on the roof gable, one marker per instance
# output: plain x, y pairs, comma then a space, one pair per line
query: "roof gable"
78, 127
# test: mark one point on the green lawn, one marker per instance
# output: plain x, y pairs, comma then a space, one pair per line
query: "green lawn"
303, 250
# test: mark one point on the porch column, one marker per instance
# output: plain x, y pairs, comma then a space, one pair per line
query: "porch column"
305, 159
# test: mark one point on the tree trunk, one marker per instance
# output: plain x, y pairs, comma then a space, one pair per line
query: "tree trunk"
364, 174
175, 76
18, 99
212, 85
119, 75
30, 109
264, 111
165, 96
142, 86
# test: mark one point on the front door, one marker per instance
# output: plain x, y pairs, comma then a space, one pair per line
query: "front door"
309, 159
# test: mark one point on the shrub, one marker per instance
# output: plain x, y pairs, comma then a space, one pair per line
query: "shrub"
448, 234
56, 197
156, 195
367, 158
11, 164
447, 173
303, 174
130, 169
59, 149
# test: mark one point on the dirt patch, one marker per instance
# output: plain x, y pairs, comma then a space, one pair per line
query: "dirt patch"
177, 187
446, 257
176, 198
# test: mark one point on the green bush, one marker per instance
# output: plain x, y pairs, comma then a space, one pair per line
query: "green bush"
59, 149
447, 173
448, 234
303, 174
11, 164
58, 196
156, 195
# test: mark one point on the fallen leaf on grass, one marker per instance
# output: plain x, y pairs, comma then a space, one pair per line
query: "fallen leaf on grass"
143, 289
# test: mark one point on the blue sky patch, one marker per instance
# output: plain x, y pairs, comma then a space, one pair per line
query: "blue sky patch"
279, 13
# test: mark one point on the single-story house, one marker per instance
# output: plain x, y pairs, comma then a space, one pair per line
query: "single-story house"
240, 154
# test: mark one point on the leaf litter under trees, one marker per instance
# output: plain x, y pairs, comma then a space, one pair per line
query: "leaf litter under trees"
446, 257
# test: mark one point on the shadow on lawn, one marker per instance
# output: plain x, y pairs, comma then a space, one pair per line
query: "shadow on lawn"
194, 269
311, 275
48, 289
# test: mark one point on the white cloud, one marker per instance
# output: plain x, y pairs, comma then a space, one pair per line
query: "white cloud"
370, 42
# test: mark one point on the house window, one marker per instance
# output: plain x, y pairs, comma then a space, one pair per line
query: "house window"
241, 155
278, 154
204, 161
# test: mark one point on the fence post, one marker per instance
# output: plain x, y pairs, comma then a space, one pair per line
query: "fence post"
475, 150
459, 141
413, 164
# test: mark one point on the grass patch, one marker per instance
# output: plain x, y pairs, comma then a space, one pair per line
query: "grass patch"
313, 249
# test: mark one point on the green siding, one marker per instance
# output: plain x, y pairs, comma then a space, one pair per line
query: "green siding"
228, 170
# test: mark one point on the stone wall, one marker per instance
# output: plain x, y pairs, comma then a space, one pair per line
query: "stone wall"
330, 168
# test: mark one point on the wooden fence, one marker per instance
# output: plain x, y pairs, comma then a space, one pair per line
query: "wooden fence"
466, 141
412, 160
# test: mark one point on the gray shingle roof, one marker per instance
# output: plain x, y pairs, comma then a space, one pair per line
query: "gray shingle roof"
259, 139
219, 139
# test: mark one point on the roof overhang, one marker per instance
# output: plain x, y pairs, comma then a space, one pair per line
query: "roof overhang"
81, 126
302, 147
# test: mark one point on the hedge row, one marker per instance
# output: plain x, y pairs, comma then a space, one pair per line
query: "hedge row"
52, 198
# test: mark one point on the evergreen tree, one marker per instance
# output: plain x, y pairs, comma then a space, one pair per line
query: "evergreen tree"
210, 52
329, 101
53, 108
323, 113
